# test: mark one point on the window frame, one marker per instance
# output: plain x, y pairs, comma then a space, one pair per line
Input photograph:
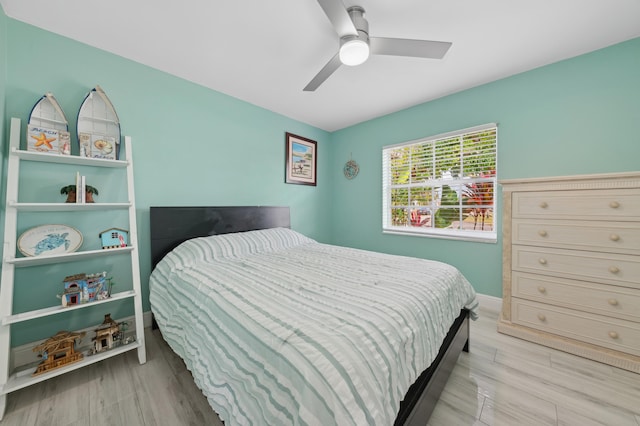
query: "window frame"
433, 184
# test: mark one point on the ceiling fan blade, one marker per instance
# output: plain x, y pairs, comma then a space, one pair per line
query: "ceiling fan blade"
339, 17
406, 47
333, 64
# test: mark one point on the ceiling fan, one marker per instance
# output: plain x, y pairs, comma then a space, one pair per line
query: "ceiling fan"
356, 45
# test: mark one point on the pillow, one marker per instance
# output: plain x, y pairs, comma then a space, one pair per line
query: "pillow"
236, 245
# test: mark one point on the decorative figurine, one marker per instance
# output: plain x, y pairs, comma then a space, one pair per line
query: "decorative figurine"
85, 288
108, 335
58, 351
70, 191
114, 238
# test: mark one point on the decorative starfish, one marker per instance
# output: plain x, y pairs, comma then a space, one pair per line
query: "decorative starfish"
43, 140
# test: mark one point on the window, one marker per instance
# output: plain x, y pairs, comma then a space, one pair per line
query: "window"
442, 186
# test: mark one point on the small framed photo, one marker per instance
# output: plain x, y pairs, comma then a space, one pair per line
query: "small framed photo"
301, 160
96, 145
85, 144
104, 147
50, 141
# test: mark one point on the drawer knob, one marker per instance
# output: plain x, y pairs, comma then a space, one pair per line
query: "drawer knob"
544, 205
542, 233
614, 269
541, 317
542, 261
614, 204
613, 335
613, 302
541, 289
614, 237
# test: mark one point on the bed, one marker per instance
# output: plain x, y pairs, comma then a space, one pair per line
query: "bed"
277, 328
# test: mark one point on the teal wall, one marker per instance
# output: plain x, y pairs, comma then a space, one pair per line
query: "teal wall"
194, 146
3, 85
577, 116
191, 146
3, 127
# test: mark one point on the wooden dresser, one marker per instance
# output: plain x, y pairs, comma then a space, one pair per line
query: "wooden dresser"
571, 265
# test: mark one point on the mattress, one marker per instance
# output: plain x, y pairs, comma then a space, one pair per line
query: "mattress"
280, 329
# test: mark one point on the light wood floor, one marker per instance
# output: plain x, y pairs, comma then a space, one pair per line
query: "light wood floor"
502, 381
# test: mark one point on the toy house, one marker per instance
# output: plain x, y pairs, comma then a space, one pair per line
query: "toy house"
72, 290
58, 351
85, 288
107, 335
114, 238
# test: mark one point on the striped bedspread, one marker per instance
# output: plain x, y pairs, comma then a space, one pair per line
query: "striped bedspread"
279, 329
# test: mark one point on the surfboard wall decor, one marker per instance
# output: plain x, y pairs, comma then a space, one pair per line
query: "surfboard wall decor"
98, 127
48, 128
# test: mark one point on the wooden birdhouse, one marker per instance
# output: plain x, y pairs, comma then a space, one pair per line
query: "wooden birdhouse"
107, 335
58, 351
114, 238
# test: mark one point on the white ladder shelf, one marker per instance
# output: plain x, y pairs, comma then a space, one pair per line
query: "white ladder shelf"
12, 381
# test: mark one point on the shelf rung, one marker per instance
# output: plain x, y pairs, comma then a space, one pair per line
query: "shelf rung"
22, 380
19, 262
26, 316
61, 207
101, 120
49, 120
68, 159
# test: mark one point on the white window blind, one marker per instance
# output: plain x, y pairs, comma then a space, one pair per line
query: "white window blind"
442, 186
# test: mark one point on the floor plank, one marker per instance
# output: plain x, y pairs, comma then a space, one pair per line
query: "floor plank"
501, 381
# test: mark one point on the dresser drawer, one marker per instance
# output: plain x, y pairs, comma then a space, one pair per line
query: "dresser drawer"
604, 268
619, 302
602, 204
582, 235
608, 332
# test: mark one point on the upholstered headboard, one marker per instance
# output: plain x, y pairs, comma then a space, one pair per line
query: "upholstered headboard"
170, 226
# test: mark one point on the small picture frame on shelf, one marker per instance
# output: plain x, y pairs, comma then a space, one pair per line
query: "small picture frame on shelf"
65, 142
104, 147
48, 141
96, 145
85, 144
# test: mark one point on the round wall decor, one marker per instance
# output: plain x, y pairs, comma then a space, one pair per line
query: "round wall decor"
351, 169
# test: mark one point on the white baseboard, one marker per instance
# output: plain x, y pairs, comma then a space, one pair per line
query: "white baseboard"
490, 302
147, 318
24, 355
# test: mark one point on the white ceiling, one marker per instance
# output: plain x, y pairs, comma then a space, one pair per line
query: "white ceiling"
265, 52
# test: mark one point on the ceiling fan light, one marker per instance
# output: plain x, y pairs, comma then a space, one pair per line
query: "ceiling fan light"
354, 52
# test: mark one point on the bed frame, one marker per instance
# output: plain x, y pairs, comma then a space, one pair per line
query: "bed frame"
170, 226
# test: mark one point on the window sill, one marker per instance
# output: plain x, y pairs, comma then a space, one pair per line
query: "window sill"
489, 237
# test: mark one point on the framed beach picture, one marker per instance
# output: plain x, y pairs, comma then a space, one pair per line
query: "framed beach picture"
301, 160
